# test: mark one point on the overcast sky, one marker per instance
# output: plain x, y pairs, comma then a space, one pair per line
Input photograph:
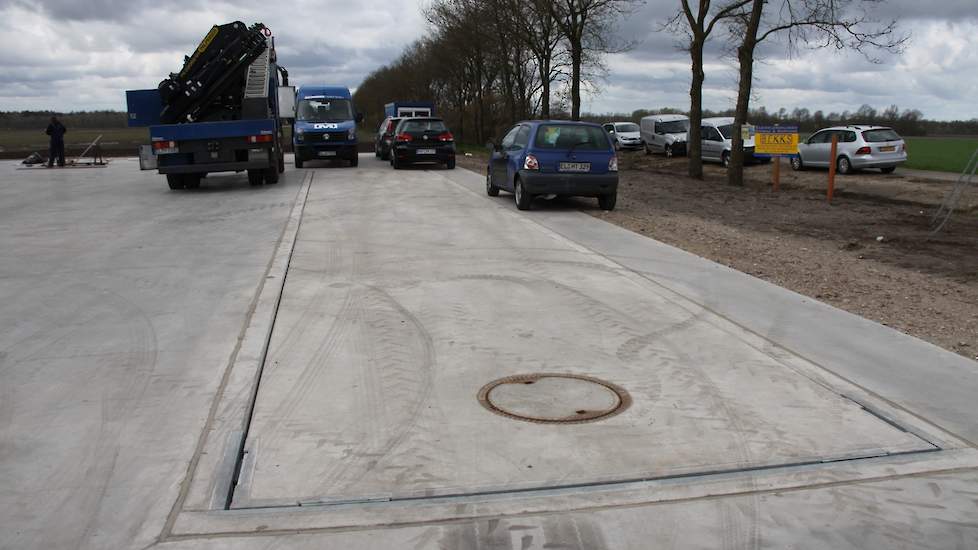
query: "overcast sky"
69, 55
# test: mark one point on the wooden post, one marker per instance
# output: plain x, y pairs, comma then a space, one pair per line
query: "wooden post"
833, 152
776, 175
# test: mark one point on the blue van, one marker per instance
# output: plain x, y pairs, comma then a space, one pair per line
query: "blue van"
325, 124
554, 157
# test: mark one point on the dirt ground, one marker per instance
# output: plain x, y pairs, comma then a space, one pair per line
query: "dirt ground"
869, 252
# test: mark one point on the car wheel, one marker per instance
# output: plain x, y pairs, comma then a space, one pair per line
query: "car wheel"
668, 151
796, 163
298, 161
725, 159
523, 199
376, 151
843, 166
491, 189
888, 169
175, 181
192, 181
395, 163
607, 202
450, 164
256, 177
647, 150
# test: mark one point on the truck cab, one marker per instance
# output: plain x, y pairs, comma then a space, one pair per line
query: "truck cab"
325, 124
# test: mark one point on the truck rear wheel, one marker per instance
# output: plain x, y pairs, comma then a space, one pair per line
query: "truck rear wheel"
298, 161
271, 175
192, 181
355, 161
256, 177
175, 181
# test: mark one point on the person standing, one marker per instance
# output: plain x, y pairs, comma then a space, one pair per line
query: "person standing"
57, 132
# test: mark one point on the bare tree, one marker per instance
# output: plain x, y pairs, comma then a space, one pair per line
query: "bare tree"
698, 25
587, 27
840, 24
536, 29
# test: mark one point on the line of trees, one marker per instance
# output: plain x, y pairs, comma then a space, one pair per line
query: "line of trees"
22, 120
910, 122
488, 63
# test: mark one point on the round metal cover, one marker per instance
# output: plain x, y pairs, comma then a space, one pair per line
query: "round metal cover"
554, 398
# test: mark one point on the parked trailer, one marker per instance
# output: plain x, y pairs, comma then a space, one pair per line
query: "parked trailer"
223, 112
409, 109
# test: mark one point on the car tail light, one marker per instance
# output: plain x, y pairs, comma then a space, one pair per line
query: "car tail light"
403, 138
264, 138
864, 151
390, 127
531, 163
903, 147
446, 136
164, 147
613, 164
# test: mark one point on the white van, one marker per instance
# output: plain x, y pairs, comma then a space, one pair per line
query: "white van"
664, 134
717, 141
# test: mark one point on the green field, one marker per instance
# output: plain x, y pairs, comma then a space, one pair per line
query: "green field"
15, 142
941, 154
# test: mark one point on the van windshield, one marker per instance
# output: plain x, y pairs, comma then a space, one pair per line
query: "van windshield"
567, 136
324, 110
672, 127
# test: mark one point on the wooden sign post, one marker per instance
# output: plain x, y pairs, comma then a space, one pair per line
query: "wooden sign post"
776, 142
833, 152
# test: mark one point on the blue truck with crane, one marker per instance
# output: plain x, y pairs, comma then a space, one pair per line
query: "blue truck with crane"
224, 111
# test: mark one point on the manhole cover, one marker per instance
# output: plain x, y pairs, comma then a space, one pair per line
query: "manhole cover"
554, 398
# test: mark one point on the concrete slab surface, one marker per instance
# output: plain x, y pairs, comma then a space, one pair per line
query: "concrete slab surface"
135, 322
393, 318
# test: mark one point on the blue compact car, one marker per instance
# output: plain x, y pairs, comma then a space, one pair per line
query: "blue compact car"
555, 158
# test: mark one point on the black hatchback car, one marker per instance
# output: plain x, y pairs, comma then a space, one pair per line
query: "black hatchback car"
422, 141
385, 137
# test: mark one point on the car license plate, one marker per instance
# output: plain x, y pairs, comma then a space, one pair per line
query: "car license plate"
327, 153
888, 149
425, 152
574, 167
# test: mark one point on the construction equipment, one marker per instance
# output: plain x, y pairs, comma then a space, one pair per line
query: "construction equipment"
224, 110
951, 200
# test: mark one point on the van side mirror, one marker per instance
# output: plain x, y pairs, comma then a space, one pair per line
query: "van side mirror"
492, 146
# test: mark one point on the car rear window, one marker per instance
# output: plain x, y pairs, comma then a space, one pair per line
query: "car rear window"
424, 126
565, 136
883, 134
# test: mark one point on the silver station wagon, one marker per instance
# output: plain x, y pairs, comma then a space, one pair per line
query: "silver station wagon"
859, 147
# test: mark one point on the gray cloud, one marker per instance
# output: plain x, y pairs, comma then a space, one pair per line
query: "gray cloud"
63, 54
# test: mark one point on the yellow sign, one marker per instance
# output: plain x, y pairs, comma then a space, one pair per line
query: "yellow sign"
776, 140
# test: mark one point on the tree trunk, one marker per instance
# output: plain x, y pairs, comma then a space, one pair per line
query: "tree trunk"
693, 143
545, 91
745, 55
576, 59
